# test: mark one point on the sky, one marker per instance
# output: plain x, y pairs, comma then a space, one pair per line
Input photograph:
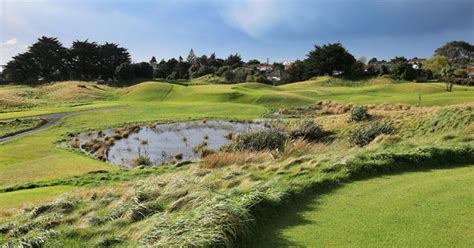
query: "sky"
256, 29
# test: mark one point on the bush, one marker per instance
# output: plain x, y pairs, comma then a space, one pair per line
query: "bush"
258, 141
308, 130
359, 113
364, 135
142, 160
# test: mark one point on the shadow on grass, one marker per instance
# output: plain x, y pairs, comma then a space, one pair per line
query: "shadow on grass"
268, 232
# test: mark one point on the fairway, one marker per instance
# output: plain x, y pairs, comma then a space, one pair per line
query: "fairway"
416, 209
18, 198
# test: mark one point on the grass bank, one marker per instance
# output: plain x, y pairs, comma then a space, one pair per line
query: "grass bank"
403, 210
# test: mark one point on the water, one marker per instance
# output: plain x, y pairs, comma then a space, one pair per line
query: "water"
162, 142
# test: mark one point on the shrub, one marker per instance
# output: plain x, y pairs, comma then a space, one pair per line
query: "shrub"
364, 135
359, 113
258, 141
308, 130
142, 160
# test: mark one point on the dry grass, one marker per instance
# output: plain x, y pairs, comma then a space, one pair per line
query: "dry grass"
300, 147
222, 159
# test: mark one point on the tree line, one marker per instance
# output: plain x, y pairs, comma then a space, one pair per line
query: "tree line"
331, 59
233, 69
48, 60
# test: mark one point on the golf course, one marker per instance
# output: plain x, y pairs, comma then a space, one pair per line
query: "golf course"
411, 181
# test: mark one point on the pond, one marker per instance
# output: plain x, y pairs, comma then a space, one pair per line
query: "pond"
162, 143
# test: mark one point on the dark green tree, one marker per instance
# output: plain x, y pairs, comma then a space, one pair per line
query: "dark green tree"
457, 52
358, 69
50, 57
253, 62
85, 59
234, 61
124, 72
191, 57
295, 73
142, 70
112, 55
22, 69
400, 69
328, 58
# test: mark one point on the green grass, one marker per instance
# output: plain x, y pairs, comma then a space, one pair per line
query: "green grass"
19, 125
31, 196
40, 158
417, 209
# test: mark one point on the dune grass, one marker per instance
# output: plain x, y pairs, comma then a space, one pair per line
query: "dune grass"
415, 209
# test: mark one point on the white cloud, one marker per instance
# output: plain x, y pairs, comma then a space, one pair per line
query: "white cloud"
254, 17
11, 41
10, 48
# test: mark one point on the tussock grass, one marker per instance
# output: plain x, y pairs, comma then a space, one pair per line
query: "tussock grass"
222, 159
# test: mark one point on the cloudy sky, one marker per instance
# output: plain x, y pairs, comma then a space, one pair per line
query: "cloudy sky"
275, 29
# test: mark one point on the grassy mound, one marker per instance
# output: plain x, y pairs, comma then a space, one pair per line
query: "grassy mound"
148, 91
255, 87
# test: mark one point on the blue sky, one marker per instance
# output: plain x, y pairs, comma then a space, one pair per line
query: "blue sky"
275, 29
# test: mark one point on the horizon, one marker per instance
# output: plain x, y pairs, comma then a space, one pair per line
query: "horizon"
276, 29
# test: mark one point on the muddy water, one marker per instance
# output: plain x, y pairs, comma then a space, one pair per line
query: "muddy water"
162, 142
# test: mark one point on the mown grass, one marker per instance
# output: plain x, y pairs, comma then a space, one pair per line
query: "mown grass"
18, 198
415, 209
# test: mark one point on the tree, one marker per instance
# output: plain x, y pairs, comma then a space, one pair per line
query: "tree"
142, 70
161, 70
362, 59
111, 57
234, 61
328, 58
124, 71
181, 69
191, 57
46, 60
278, 66
22, 69
400, 69
372, 61
50, 57
229, 76
153, 60
457, 52
253, 62
295, 73
85, 60
436, 64
447, 75
358, 69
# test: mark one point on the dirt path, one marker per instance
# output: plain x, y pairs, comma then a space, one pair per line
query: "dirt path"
51, 119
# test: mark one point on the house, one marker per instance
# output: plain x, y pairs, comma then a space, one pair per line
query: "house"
287, 64
274, 75
470, 71
264, 67
416, 62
